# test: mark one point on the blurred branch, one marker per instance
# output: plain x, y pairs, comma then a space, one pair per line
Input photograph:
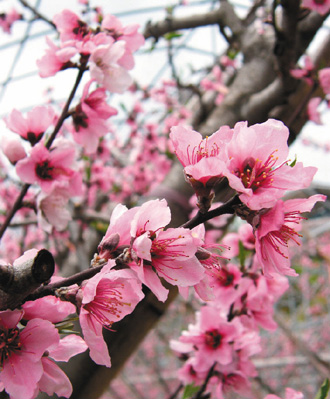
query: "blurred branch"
223, 16
176, 392
320, 365
37, 14
49, 142
286, 36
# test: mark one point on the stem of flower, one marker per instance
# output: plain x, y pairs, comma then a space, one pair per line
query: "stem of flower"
65, 282
59, 123
227, 208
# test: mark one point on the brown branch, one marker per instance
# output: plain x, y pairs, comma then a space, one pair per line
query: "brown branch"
18, 281
285, 43
223, 16
204, 386
176, 392
37, 14
57, 127
199, 218
77, 278
64, 113
14, 209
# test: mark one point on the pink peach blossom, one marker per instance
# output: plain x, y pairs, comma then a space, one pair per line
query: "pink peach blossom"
211, 338
105, 68
312, 110
143, 222
289, 394
13, 149
106, 298
53, 379
191, 148
324, 77
117, 236
171, 254
33, 126
45, 167
7, 19
322, 7
306, 72
56, 58
70, 26
276, 228
258, 165
21, 352
48, 308
52, 208
129, 34
202, 159
90, 118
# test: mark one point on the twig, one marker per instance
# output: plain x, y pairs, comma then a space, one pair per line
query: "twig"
225, 15
65, 282
59, 123
203, 387
176, 392
37, 13
65, 110
14, 209
199, 218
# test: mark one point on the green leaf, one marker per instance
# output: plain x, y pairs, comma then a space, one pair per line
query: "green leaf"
323, 391
169, 10
123, 107
172, 35
152, 48
292, 164
232, 54
88, 172
99, 226
242, 254
189, 390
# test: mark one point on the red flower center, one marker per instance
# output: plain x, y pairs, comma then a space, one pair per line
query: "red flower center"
44, 170
9, 343
254, 173
213, 339
225, 278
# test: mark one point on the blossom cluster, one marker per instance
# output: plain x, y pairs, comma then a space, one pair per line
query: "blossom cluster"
30, 339
255, 162
226, 333
105, 53
29, 345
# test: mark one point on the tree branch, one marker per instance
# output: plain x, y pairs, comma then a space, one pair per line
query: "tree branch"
37, 13
223, 16
57, 127
199, 218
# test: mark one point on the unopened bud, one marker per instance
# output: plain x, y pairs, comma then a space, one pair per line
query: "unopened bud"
202, 254
108, 246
